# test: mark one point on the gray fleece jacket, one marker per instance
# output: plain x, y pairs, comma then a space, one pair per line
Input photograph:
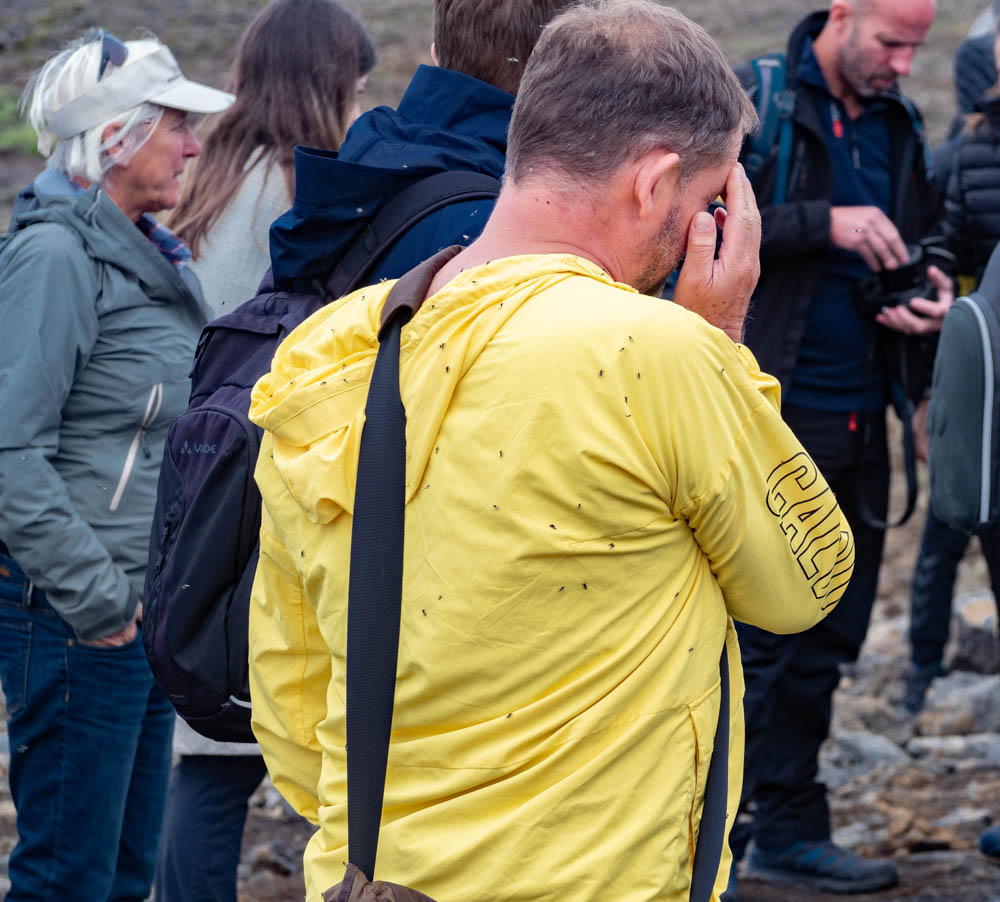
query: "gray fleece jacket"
98, 334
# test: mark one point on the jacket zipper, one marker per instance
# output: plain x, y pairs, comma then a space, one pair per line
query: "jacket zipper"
153, 406
839, 132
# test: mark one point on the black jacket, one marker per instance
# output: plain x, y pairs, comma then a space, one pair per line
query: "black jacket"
796, 234
975, 71
972, 202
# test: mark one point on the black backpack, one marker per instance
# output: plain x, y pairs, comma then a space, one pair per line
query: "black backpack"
204, 540
963, 417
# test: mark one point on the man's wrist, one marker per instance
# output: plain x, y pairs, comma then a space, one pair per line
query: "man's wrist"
732, 328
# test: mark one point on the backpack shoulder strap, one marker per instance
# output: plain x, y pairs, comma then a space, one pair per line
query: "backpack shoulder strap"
775, 103
399, 214
917, 121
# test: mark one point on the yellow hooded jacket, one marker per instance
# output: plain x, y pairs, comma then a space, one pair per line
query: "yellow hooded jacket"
596, 482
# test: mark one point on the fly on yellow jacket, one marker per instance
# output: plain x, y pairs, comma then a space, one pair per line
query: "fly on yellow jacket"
596, 482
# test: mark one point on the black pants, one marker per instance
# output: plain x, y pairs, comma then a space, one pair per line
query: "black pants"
790, 679
203, 830
941, 549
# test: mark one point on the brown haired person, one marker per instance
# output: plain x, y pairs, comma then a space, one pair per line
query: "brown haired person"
597, 481
858, 192
453, 117
297, 72
299, 68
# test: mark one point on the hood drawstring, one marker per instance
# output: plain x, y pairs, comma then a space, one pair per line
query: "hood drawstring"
91, 213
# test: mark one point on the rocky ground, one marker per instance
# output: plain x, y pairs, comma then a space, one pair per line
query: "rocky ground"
917, 789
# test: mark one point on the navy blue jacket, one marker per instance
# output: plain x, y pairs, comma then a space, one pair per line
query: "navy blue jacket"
445, 121
795, 235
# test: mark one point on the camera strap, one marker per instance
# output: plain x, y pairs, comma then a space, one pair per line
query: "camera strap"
904, 409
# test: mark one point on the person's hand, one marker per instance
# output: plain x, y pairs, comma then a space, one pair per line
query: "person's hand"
920, 445
122, 637
904, 317
719, 290
869, 232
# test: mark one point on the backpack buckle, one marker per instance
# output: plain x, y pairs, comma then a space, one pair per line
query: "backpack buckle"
784, 103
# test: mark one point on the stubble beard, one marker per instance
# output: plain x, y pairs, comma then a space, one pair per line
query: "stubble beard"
851, 66
662, 254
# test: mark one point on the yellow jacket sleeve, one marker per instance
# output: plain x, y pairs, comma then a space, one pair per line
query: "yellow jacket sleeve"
287, 653
777, 542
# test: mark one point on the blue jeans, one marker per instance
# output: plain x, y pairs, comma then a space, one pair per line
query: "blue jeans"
206, 813
90, 736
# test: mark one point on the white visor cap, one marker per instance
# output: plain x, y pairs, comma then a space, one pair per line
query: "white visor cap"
153, 78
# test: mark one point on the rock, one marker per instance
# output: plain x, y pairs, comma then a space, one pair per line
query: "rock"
885, 638
850, 754
267, 797
961, 704
276, 856
984, 747
974, 645
867, 749
875, 713
964, 817
857, 834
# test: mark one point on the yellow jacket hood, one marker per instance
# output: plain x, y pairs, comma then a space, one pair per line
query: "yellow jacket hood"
313, 400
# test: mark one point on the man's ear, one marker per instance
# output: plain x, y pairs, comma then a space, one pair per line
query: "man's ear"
109, 132
434, 54
655, 182
840, 14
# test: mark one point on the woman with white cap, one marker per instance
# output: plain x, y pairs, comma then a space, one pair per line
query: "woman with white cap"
100, 320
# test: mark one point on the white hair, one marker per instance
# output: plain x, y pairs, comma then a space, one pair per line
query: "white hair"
65, 77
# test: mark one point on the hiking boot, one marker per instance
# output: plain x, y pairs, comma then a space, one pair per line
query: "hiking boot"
918, 681
989, 842
824, 866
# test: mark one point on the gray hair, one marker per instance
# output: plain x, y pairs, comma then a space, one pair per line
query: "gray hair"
611, 80
65, 77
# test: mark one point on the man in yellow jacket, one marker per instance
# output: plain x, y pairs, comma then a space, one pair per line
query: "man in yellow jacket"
598, 481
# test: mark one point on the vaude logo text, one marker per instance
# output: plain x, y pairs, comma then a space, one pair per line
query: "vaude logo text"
197, 448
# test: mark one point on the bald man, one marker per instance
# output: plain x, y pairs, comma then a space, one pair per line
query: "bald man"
858, 192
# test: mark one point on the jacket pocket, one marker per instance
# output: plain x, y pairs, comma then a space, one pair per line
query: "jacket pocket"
15, 648
153, 405
14, 588
704, 718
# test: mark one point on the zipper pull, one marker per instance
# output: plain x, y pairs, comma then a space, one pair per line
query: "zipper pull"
856, 156
838, 125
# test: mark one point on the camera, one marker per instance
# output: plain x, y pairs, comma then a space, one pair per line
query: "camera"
892, 287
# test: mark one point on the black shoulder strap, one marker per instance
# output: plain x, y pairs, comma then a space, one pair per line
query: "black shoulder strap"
376, 574
712, 832
374, 600
398, 215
